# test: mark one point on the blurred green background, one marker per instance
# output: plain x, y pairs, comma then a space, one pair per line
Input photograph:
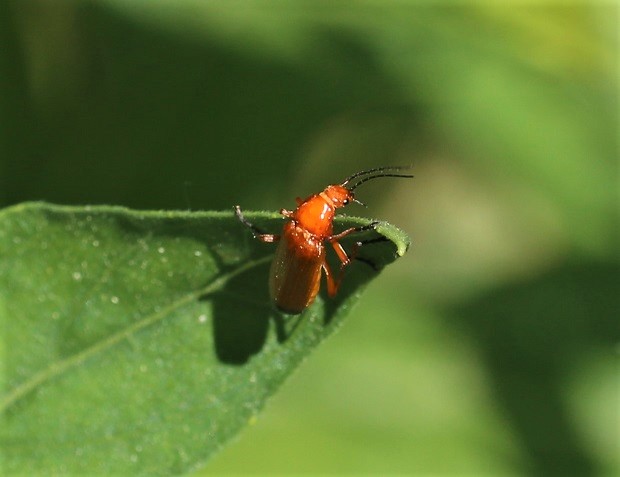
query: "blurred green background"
491, 348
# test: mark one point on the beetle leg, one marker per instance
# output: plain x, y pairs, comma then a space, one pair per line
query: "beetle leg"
332, 283
351, 230
342, 255
374, 240
287, 213
256, 232
346, 258
368, 262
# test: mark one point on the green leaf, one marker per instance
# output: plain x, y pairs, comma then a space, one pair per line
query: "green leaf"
141, 342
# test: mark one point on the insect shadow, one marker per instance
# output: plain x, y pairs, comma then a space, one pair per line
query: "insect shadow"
240, 322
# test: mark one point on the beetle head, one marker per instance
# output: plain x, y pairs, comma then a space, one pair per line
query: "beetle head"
339, 195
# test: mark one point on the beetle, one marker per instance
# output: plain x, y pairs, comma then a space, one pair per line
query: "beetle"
295, 274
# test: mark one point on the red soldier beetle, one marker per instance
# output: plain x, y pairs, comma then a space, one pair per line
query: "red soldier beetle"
295, 275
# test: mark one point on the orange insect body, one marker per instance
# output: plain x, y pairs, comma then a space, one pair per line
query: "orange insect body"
295, 275
316, 213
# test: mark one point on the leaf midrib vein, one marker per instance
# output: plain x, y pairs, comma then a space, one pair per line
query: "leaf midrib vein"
59, 367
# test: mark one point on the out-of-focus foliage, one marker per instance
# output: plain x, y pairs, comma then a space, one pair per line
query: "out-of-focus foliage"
496, 352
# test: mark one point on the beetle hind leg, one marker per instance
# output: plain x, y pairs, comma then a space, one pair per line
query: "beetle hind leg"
257, 232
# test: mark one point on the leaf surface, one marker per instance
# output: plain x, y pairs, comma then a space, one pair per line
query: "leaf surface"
141, 342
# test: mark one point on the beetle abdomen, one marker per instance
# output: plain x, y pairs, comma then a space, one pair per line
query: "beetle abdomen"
295, 274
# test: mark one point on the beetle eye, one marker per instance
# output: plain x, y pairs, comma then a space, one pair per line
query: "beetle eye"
345, 201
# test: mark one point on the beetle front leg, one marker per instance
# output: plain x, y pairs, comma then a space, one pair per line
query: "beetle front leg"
257, 233
345, 258
351, 230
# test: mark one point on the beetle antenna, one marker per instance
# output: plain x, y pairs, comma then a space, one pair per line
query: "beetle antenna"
376, 169
375, 176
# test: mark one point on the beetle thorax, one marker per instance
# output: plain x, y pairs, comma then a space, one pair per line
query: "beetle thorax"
316, 215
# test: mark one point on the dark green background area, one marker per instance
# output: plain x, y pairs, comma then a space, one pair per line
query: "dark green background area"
491, 347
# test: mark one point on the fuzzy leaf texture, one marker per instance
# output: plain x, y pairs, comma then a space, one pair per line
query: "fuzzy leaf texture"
141, 342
